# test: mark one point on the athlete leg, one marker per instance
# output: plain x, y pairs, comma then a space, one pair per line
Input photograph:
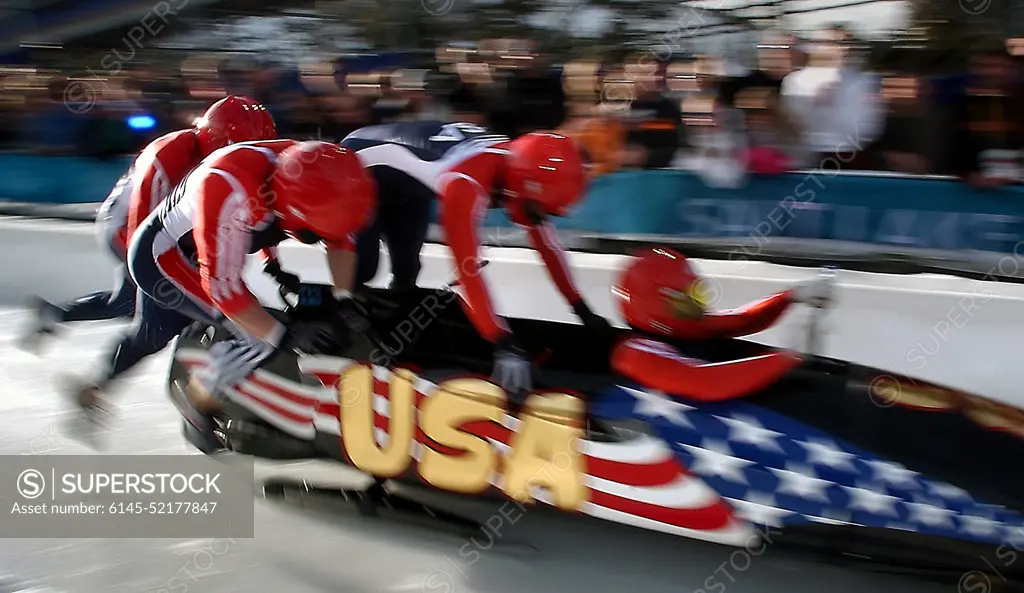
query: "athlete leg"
97, 306
109, 227
368, 254
175, 308
45, 319
404, 226
122, 302
119, 302
368, 243
162, 311
152, 328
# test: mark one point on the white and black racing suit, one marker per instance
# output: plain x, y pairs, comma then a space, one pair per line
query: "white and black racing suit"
406, 160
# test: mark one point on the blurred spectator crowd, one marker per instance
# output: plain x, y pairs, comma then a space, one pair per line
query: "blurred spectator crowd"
807, 104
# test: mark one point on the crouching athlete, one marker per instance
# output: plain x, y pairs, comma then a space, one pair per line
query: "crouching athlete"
663, 300
470, 170
532, 178
155, 171
188, 257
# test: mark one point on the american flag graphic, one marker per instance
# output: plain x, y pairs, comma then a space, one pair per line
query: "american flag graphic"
776, 471
715, 472
638, 482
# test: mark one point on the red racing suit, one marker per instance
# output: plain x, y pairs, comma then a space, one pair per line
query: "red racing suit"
219, 217
658, 365
465, 192
159, 168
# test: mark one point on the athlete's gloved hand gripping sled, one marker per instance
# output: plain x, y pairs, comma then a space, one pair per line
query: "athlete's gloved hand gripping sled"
533, 177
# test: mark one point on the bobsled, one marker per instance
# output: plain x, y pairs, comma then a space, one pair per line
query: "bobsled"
837, 459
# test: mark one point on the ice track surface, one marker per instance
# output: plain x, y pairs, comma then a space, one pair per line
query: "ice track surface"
300, 550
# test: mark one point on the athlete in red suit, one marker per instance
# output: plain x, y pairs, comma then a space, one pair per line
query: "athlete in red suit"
158, 169
166, 161
188, 258
532, 177
660, 297
160, 166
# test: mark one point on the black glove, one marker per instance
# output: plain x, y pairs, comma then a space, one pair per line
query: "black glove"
286, 279
311, 337
595, 324
351, 316
345, 320
512, 370
198, 328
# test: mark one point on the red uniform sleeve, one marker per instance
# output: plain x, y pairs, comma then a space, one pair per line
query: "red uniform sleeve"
749, 319
464, 202
148, 182
661, 367
223, 234
545, 240
159, 168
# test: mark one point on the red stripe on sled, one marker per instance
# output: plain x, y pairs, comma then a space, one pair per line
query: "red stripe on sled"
328, 409
328, 379
631, 474
714, 516
272, 407
487, 429
302, 400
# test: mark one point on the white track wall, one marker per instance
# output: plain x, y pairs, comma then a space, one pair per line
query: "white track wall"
957, 332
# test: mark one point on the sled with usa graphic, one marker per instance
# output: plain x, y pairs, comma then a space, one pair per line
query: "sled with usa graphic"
836, 459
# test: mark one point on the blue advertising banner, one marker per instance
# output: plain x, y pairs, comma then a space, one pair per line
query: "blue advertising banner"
873, 208
901, 211
932, 213
58, 179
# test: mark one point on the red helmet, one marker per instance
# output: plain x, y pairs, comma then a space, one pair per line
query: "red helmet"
230, 120
660, 293
320, 191
546, 169
267, 121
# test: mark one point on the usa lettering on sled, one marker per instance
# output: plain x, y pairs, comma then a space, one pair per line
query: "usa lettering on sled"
460, 436
454, 436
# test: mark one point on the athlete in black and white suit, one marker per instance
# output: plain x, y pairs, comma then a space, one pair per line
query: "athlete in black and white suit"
406, 160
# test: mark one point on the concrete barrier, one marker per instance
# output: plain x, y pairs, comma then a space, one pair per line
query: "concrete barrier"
958, 332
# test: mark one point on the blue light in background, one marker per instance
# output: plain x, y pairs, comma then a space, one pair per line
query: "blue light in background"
141, 122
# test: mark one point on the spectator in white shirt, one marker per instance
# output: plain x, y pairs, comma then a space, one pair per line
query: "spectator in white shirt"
834, 99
